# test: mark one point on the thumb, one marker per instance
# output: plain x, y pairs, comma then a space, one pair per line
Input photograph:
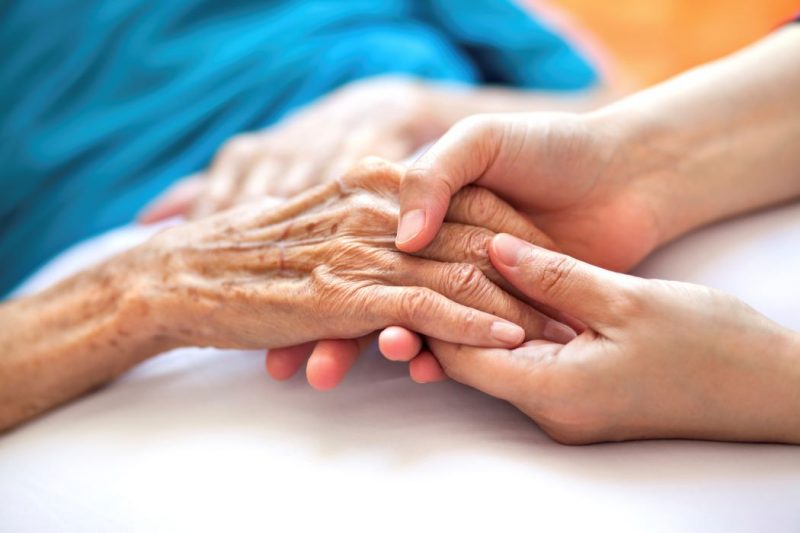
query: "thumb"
175, 201
588, 293
460, 157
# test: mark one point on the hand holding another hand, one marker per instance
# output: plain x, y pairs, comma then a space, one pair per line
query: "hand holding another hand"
324, 265
657, 359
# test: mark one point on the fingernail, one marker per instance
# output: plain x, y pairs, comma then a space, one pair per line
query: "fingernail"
509, 249
557, 332
411, 225
507, 333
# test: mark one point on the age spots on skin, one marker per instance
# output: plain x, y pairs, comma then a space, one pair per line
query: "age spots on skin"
286, 231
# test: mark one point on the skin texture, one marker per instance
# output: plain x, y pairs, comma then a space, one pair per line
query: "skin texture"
653, 359
387, 117
321, 265
657, 359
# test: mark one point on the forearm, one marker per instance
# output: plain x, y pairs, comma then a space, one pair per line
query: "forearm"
450, 103
719, 140
69, 339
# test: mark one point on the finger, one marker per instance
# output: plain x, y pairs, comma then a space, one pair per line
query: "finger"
298, 206
457, 243
338, 166
332, 359
507, 374
399, 344
226, 172
175, 201
460, 157
373, 174
429, 313
424, 368
255, 183
479, 207
588, 293
465, 284
283, 363
299, 176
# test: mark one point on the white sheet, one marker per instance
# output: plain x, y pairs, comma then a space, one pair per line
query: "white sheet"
202, 440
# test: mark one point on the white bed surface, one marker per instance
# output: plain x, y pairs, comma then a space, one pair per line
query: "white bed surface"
201, 440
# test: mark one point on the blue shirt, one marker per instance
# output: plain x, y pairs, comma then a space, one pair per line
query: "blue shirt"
104, 103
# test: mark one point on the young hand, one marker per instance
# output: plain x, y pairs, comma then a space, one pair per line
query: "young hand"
657, 359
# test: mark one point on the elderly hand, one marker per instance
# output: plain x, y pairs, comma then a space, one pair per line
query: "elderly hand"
657, 359
384, 117
574, 176
324, 265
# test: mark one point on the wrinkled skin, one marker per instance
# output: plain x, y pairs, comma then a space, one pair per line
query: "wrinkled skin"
324, 265
590, 188
321, 265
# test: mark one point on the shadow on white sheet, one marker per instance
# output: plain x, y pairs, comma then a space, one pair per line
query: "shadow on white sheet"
202, 440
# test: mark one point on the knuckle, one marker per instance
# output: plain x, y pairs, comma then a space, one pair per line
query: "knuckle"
475, 204
415, 304
372, 173
555, 274
477, 245
465, 277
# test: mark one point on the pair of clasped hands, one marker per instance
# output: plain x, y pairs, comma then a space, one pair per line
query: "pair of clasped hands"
603, 355
624, 357
633, 358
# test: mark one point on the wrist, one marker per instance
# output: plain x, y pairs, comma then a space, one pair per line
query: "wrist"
650, 158
146, 309
766, 394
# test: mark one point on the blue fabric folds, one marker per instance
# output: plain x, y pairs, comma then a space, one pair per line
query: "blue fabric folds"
104, 103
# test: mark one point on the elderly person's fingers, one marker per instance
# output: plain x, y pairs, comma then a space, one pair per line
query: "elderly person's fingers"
328, 361
332, 359
424, 368
465, 284
283, 363
264, 170
399, 344
228, 169
177, 200
470, 244
430, 313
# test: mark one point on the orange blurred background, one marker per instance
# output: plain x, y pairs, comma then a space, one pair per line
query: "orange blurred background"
650, 40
